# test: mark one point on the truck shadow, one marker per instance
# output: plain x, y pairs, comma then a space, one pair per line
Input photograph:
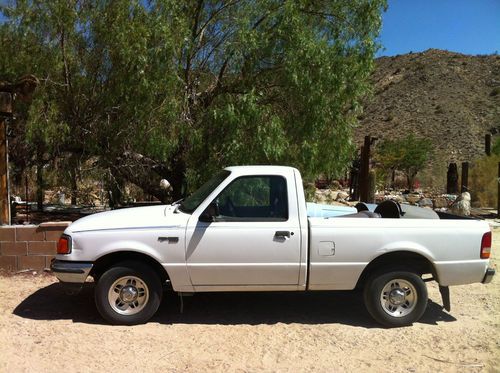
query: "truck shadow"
329, 307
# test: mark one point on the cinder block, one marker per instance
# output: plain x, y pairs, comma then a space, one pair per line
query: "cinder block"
53, 234
31, 262
13, 248
41, 248
29, 234
7, 234
8, 263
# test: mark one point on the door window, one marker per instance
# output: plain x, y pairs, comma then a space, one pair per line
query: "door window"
254, 198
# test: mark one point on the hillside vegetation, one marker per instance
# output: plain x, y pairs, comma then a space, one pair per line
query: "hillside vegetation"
450, 98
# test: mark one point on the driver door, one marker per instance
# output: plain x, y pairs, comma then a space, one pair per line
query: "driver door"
253, 239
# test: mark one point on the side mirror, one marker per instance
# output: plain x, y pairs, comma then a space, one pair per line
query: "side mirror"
210, 213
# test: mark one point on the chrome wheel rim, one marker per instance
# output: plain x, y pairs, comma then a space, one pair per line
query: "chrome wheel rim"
398, 298
128, 295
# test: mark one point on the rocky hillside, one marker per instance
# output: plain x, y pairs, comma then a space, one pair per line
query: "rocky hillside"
450, 98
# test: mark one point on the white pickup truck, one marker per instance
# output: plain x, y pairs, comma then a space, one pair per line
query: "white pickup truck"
248, 229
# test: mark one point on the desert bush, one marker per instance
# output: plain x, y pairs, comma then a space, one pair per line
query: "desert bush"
495, 91
483, 181
408, 155
496, 146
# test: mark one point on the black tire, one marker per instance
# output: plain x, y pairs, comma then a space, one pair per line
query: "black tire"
144, 292
396, 298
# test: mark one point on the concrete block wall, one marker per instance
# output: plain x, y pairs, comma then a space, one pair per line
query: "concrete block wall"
29, 246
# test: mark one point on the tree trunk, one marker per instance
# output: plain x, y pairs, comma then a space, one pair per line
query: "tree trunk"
74, 185
144, 172
178, 179
114, 189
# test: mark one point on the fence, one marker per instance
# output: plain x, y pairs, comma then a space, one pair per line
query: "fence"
29, 246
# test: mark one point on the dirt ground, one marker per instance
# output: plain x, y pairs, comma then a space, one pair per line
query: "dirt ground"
42, 329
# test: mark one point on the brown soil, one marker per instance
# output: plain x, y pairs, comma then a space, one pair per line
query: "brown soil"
43, 329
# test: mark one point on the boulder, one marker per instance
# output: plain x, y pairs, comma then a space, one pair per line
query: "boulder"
440, 202
398, 198
342, 196
425, 202
461, 206
413, 198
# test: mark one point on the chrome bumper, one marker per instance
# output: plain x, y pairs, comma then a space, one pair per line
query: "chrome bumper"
490, 272
67, 271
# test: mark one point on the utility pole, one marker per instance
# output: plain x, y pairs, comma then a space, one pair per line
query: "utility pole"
5, 112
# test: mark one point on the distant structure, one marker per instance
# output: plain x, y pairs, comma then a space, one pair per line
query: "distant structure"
23, 90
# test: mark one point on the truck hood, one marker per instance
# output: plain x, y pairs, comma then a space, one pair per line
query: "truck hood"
131, 218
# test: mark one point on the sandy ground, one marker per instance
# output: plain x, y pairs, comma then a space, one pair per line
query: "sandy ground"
42, 329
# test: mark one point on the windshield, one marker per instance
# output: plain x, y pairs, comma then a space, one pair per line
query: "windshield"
192, 202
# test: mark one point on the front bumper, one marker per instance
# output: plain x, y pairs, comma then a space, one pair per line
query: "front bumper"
67, 271
490, 272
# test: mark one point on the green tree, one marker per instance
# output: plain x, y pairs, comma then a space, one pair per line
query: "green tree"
176, 89
408, 155
496, 146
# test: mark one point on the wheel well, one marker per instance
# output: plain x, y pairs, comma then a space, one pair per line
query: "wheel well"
102, 264
400, 260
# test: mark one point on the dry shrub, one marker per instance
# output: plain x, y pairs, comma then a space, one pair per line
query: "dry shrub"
483, 181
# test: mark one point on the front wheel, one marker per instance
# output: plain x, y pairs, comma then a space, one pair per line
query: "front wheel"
128, 294
396, 298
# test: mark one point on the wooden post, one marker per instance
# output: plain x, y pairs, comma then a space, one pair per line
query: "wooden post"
365, 170
5, 111
452, 179
354, 180
487, 144
465, 177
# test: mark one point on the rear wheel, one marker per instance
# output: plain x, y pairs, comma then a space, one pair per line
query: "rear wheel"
397, 298
128, 293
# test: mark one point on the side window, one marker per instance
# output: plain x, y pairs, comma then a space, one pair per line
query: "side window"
254, 198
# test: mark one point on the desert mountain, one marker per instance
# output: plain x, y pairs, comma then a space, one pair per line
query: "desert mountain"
450, 98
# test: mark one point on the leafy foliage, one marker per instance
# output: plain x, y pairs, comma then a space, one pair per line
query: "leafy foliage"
409, 155
177, 89
483, 183
496, 146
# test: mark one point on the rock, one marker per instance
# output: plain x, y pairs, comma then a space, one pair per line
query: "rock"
425, 202
413, 198
164, 184
333, 195
335, 185
342, 196
398, 198
461, 206
319, 196
440, 202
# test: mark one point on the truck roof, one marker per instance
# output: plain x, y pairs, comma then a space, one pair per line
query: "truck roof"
260, 169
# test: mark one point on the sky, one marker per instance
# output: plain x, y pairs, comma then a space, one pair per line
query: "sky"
465, 26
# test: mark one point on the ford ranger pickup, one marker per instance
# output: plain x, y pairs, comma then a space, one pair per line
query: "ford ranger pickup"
249, 228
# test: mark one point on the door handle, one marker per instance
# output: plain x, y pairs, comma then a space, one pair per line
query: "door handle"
168, 239
283, 234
